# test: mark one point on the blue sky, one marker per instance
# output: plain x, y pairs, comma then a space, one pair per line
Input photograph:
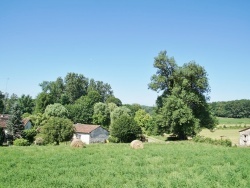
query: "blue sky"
116, 42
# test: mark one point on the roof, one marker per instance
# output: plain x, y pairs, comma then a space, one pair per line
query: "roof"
25, 121
85, 128
244, 129
3, 120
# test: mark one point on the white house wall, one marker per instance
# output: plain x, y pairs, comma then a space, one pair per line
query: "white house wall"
245, 138
83, 137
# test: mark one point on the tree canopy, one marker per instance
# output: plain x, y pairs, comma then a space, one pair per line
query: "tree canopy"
183, 102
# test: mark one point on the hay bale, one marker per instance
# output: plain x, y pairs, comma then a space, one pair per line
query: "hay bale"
136, 144
77, 143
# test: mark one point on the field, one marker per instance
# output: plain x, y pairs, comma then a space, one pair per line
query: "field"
177, 164
233, 122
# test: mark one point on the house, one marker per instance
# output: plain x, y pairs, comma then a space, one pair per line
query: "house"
90, 133
27, 123
245, 137
4, 118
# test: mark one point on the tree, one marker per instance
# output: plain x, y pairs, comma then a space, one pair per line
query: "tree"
26, 104
57, 130
183, 103
14, 123
125, 129
143, 119
112, 99
56, 110
103, 89
1, 102
42, 101
83, 109
101, 114
9, 102
2, 136
119, 111
133, 107
76, 85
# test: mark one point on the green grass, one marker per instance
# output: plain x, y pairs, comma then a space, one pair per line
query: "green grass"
231, 134
233, 122
177, 164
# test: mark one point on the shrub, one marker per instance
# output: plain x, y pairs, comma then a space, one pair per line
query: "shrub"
113, 139
29, 135
21, 142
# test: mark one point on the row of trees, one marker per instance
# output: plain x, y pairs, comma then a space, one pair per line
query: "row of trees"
232, 109
181, 108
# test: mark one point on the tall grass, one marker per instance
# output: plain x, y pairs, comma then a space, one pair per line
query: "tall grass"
178, 164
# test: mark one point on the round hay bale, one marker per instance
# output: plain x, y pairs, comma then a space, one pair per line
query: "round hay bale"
77, 143
136, 144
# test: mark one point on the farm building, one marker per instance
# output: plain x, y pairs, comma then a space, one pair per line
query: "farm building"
90, 133
245, 137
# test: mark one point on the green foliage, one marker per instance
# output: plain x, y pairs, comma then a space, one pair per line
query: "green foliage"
103, 89
113, 99
21, 142
56, 110
57, 130
232, 109
101, 114
223, 142
76, 85
133, 108
183, 103
125, 129
143, 119
42, 101
1, 102
83, 109
14, 123
118, 112
9, 102
26, 104
29, 135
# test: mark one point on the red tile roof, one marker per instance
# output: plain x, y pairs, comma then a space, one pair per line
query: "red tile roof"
85, 128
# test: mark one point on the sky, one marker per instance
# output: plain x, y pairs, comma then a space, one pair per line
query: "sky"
116, 42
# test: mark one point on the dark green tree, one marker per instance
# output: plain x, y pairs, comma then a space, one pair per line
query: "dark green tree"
57, 130
26, 104
42, 101
102, 88
113, 99
1, 102
183, 103
125, 129
14, 123
76, 85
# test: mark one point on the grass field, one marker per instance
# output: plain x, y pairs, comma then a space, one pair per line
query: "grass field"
233, 122
177, 164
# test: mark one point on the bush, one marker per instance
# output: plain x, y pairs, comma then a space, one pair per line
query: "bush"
21, 142
125, 129
29, 135
222, 142
113, 139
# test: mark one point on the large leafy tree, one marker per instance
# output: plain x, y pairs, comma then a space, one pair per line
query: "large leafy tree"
102, 88
42, 101
56, 130
26, 104
143, 119
14, 123
183, 103
83, 109
76, 85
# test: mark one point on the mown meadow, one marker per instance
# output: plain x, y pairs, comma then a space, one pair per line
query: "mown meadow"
176, 164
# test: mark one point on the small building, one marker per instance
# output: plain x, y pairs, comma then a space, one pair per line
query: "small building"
3, 121
27, 123
245, 137
90, 133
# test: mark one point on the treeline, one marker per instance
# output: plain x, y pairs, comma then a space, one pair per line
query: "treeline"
231, 109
